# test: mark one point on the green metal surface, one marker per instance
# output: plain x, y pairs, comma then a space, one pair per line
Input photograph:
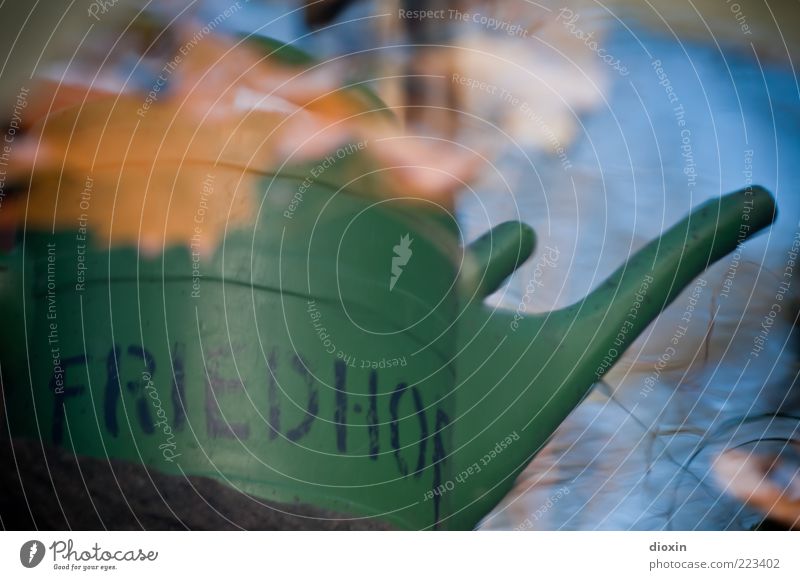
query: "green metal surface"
337, 353
293, 367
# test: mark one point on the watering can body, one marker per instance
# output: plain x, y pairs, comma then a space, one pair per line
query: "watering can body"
336, 354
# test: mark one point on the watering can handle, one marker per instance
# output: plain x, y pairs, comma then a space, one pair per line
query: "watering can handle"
494, 256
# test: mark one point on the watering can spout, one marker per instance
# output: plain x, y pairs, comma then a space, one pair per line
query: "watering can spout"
529, 372
610, 318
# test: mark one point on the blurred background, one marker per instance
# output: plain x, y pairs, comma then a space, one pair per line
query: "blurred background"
600, 124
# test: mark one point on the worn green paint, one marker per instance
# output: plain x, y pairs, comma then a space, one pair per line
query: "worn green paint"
482, 394
425, 403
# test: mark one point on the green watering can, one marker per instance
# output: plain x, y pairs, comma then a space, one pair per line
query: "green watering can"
336, 354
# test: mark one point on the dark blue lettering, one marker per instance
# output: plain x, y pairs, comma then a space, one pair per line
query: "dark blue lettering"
340, 406
312, 407
112, 390
394, 404
216, 424
179, 385
439, 458
372, 417
61, 393
137, 387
